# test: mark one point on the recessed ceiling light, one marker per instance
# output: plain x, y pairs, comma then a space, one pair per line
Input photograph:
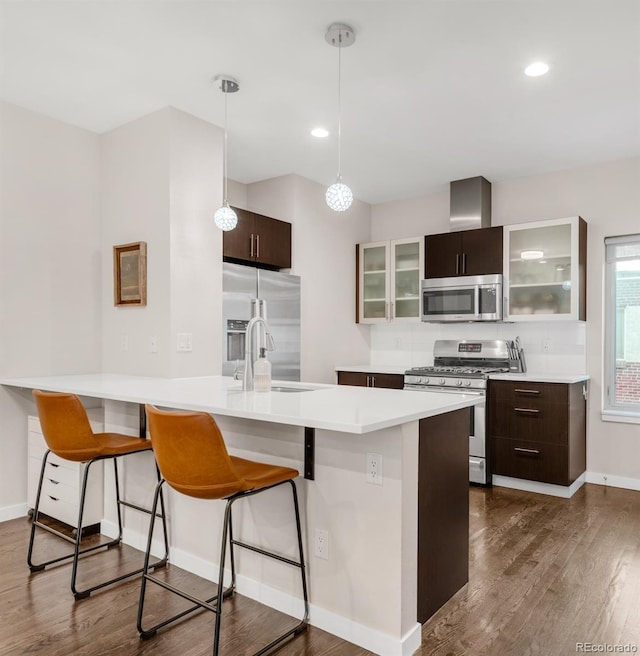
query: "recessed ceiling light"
536, 69
321, 133
531, 255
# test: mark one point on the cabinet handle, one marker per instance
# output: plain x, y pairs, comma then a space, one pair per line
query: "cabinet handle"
251, 247
533, 452
53, 498
368, 381
526, 391
54, 482
457, 264
464, 263
257, 245
391, 311
529, 410
53, 464
373, 381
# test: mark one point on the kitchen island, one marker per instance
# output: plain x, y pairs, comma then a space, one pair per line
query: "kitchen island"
397, 549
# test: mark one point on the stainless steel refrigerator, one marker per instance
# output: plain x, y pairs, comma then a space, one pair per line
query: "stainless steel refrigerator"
247, 292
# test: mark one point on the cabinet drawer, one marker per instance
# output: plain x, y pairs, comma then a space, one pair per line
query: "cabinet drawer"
535, 394
59, 509
539, 422
546, 463
61, 501
63, 475
360, 379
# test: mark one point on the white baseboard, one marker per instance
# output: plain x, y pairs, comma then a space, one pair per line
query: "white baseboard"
540, 488
359, 634
613, 481
13, 512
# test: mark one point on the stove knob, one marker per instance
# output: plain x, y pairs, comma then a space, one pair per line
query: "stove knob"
442, 381
467, 383
459, 383
425, 381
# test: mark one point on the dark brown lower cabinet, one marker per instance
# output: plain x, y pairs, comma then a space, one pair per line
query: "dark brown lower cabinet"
361, 379
443, 509
538, 430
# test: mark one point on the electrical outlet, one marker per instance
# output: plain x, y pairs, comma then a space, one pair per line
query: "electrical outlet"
321, 544
374, 468
546, 345
153, 344
124, 342
185, 342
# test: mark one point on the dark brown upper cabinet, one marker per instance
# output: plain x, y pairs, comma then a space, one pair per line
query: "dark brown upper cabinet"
258, 240
464, 253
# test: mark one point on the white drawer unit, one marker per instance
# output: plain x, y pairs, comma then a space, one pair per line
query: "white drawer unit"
62, 483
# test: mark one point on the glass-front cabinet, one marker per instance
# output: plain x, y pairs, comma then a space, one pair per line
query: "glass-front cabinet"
545, 270
389, 274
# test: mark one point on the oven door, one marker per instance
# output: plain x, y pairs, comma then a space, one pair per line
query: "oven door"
478, 470
478, 465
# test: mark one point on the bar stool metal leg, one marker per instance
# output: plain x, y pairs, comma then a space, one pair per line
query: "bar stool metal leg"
82, 594
77, 550
208, 604
199, 604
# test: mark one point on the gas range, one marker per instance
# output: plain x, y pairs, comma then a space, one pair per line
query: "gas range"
463, 367
460, 365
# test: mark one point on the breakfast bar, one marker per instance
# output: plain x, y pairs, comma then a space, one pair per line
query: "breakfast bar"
394, 541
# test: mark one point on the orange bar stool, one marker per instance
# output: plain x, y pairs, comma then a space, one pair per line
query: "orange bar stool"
193, 460
68, 434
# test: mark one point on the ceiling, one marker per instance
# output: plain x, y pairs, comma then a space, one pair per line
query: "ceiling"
432, 91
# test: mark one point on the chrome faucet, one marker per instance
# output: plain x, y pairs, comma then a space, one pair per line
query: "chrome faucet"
247, 378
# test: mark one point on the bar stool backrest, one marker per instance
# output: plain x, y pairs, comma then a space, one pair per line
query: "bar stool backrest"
65, 426
191, 454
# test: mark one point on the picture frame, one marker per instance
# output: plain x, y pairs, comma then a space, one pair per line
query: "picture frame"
130, 274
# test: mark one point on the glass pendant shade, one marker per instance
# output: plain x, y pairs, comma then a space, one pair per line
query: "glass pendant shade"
339, 196
225, 218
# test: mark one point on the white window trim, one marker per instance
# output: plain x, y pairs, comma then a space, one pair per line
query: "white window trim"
612, 411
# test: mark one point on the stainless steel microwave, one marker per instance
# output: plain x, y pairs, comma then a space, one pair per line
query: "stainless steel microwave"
463, 298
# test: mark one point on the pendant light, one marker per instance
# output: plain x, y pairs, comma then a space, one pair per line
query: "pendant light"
225, 218
339, 196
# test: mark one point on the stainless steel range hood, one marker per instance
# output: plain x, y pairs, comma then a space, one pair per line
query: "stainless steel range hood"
470, 204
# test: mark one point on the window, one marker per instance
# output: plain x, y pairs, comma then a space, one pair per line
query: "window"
622, 328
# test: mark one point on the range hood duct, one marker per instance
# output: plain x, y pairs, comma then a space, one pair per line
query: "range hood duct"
470, 204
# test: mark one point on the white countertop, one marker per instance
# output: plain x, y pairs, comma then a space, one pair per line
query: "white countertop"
333, 407
534, 377
373, 368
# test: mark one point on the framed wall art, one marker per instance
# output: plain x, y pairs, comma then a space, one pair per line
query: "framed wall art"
130, 274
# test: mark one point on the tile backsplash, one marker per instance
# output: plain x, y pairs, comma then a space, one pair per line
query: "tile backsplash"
411, 344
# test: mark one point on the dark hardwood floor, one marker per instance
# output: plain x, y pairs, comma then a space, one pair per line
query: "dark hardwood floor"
545, 574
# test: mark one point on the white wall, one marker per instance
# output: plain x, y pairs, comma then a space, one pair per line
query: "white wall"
195, 261
324, 257
607, 196
162, 182
50, 310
